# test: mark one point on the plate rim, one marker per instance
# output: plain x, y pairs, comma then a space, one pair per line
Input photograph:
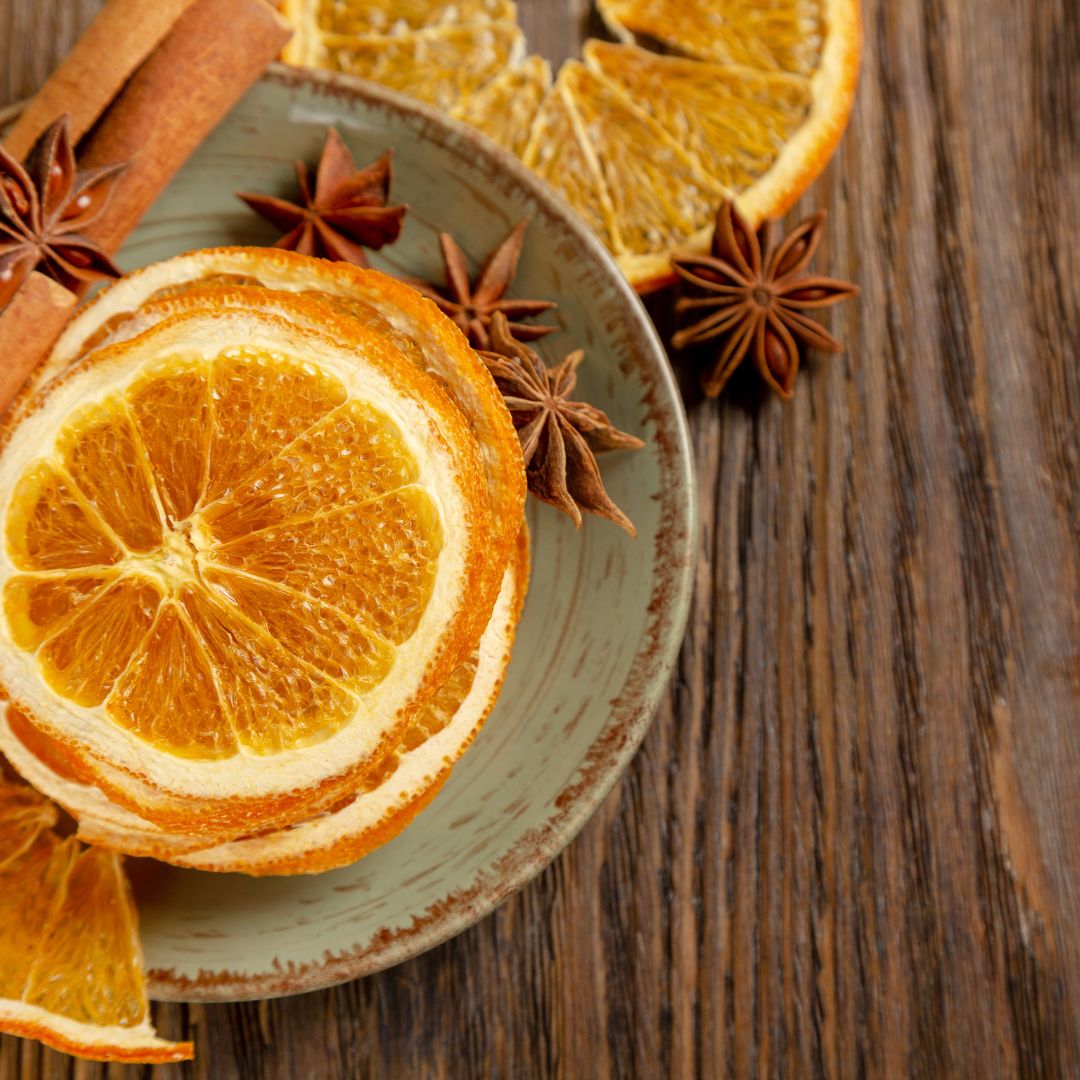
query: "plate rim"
631, 713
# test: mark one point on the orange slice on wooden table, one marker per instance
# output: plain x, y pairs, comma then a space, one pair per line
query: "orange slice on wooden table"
165, 621
71, 967
754, 109
382, 807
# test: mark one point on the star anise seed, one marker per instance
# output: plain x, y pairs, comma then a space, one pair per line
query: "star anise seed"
472, 305
559, 438
754, 295
44, 204
342, 209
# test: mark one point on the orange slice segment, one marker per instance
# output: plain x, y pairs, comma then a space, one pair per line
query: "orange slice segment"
50, 527
504, 108
36, 605
171, 416
172, 666
658, 194
24, 815
438, 65
71, 966
82, 660
102, 454
393, 16
559, 152
31, 886
766, 35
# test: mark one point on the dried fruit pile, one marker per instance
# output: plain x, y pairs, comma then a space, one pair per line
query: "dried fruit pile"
748, 99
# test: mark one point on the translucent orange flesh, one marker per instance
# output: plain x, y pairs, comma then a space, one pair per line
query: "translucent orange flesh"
66, 920
765, 35
440, 64
391, 16
223, 556
734, 122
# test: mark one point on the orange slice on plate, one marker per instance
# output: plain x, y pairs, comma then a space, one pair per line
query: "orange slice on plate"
165, 620
386, 802
71, 969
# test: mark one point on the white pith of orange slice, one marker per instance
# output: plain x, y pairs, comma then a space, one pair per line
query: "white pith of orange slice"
71, 970
211, 610
442, 731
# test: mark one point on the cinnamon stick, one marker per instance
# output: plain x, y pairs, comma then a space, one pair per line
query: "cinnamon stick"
28, 327
122, 36
216, 50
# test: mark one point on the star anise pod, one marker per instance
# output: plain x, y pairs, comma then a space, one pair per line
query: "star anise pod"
471, 305
559, 438
341, 210
44, 203
755, 295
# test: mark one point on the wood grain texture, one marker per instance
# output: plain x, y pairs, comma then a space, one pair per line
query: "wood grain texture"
850, 845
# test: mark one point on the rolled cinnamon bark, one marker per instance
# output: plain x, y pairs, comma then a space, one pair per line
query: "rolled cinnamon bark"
28, 327
122, 36
215, 51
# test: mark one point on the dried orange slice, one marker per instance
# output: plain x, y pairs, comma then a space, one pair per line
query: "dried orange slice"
71, 967
504, 109
765, 111
662, 139
384, 805
165, 619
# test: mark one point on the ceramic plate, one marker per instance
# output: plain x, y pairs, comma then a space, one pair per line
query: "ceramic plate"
604, 616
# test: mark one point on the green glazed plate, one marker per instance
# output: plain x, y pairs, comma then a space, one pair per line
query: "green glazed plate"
605, 613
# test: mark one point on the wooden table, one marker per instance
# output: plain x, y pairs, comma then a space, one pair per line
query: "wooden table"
851, 843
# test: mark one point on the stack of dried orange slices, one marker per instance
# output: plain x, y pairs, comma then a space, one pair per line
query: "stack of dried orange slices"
748, 99
264, 557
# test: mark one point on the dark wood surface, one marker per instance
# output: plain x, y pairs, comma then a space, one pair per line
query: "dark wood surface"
851, 842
